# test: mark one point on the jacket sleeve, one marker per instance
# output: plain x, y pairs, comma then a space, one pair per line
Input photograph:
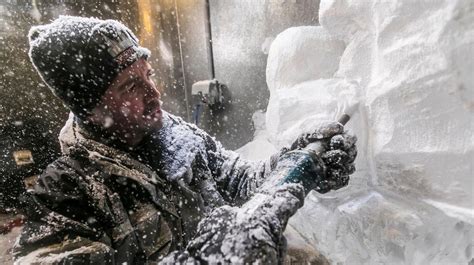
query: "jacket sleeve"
237, 178
248, 234
60, 226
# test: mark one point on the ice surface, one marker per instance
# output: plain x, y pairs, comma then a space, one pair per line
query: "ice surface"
410, 64
312, 47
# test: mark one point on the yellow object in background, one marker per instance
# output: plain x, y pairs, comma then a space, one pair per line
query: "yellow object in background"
23, 157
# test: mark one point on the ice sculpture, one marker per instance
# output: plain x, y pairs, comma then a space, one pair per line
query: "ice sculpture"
410, 63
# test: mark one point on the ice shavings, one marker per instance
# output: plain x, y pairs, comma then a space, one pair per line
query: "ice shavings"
260, 148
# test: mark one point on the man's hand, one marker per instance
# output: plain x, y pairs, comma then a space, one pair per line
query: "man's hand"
323, 133
337, 155
339, 160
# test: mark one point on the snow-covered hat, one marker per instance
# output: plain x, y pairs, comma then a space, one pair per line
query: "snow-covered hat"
78, 57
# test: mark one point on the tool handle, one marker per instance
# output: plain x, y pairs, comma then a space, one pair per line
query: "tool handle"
344, 119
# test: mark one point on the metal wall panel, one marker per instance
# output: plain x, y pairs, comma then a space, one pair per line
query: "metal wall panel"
241, 31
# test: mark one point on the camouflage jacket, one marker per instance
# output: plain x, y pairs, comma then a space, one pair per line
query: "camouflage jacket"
97, 204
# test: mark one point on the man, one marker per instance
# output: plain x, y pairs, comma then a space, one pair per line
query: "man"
134, 181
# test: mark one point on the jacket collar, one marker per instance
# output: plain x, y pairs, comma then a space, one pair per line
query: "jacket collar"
75, 140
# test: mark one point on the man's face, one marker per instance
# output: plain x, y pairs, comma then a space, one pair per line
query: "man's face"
130, 107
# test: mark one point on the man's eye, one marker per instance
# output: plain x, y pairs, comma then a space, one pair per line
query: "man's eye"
131, 87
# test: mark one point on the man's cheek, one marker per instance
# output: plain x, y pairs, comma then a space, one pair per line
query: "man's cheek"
125, 111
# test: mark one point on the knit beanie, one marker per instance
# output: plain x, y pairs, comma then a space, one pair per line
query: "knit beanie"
79, 57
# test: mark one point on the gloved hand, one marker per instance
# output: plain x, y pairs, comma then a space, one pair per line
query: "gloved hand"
339, 160
323, 132
252, 233
333, 163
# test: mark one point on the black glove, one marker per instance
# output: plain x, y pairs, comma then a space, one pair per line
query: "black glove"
324, 132
337, 155
339, 160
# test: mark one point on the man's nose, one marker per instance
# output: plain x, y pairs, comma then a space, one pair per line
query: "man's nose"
151, 89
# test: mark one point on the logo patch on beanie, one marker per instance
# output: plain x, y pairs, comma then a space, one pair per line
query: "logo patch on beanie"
119, 43
126, 57
122, 48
